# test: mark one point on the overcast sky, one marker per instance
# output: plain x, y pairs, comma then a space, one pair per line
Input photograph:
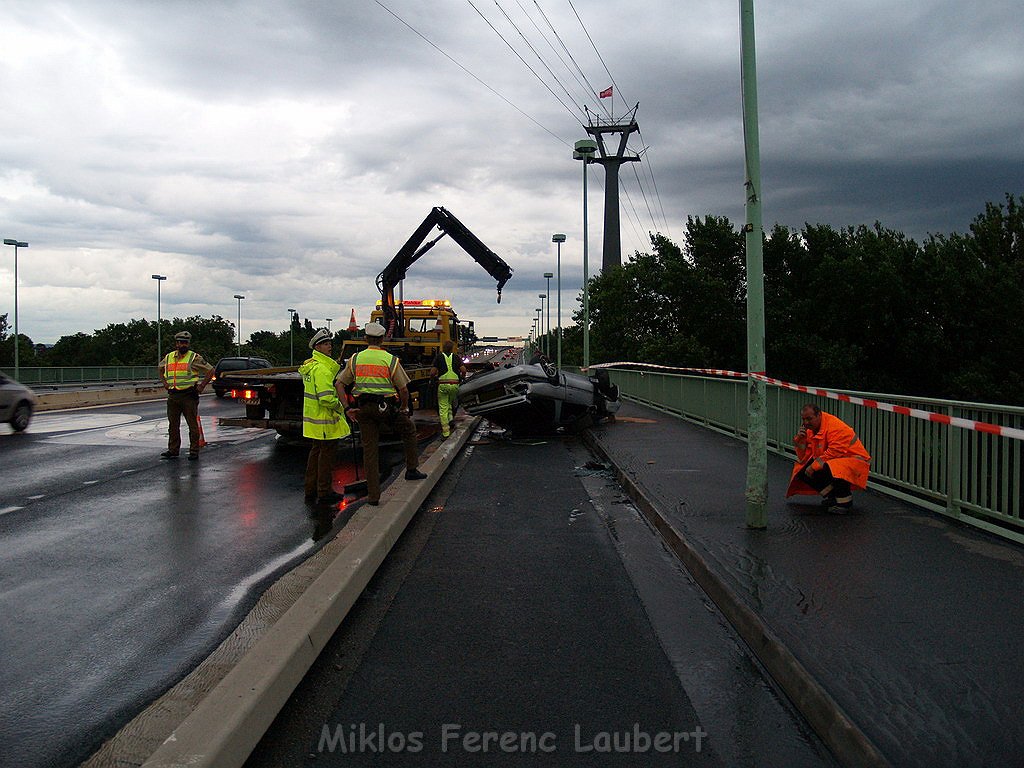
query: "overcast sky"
286, 150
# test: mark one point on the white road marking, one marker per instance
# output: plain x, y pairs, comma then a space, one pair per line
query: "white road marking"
5, 510
37, 497
90, 482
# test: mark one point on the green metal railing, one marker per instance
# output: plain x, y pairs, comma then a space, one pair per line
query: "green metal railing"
90, 374
974, 477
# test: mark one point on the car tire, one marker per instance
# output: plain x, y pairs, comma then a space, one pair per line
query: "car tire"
219, 392
21, 416
255, 411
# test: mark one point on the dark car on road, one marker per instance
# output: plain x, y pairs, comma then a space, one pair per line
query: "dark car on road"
16, 403
228, 364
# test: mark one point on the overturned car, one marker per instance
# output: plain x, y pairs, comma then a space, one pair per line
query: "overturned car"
539, 399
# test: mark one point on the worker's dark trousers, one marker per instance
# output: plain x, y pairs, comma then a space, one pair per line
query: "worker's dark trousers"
371, 419
822, 479
182, 402
320, 467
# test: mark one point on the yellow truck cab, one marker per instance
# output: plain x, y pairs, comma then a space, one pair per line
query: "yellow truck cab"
423, 327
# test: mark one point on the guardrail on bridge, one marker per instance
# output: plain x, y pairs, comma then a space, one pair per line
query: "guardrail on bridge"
970, 475
89, 374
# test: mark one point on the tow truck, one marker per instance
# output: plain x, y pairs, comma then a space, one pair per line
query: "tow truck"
416, 331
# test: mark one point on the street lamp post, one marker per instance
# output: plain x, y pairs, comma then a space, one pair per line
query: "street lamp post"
239, 297
329, 321
584, 150
159, 349
559, 238
548, 276
544, 334
291, 336
17, 244
539, 312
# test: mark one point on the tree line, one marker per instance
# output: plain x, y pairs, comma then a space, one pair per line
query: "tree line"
861, 308
135, 343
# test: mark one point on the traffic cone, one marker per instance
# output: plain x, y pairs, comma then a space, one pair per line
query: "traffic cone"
352, 327
202, 436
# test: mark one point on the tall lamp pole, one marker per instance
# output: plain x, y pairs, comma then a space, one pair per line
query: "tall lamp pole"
559, 238
17, 244
544, 335
239, 297
757, 426
584, 150
159, 349
547, 277
291, 336
539, 312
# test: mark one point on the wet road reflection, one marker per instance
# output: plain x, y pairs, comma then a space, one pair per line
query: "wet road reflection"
121, 571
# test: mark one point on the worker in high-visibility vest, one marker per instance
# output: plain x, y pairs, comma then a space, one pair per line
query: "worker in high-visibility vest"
449, 370
830, 460
381, 388
323, 418
180, 372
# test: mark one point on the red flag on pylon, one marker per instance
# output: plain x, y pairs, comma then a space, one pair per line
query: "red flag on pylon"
606, 93
352, 322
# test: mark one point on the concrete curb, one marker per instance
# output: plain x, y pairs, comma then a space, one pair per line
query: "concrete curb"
850, 746
51, 401
225, 727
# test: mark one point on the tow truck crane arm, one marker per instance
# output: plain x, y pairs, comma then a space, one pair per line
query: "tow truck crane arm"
395, 271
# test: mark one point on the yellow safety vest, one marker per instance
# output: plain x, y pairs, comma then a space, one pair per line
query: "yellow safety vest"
179, 373
372, 368
451, 374
322, 412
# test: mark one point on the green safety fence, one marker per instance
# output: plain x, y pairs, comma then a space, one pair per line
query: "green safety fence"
89, 374
972, 476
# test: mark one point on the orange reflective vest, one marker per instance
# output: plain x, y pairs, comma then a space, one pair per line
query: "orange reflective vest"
178, 371
372, 368
837, 445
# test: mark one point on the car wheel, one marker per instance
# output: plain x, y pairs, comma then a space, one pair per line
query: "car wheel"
219, 392
21, 416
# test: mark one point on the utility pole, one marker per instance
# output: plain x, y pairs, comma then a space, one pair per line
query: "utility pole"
757, 421
612, 254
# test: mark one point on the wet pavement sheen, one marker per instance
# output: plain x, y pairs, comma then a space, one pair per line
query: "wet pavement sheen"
120, 571
909, 621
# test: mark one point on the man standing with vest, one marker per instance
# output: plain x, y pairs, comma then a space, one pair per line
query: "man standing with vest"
323, 419
449, 371
381, 388
180, 371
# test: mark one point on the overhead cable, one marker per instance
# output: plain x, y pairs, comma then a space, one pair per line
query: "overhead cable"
436, 47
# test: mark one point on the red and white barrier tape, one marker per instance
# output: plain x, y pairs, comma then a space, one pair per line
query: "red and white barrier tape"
917, 413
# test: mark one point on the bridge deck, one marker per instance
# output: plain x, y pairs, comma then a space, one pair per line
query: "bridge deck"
909, 621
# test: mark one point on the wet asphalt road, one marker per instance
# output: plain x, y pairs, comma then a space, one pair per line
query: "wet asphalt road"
120, 571
530, 598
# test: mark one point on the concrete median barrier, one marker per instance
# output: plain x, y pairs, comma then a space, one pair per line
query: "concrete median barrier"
84, 397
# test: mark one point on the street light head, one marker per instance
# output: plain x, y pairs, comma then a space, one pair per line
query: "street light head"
15, 243
291, 310
159, 277
542, 295
559, 237
238, 296
549, 275
586, 146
